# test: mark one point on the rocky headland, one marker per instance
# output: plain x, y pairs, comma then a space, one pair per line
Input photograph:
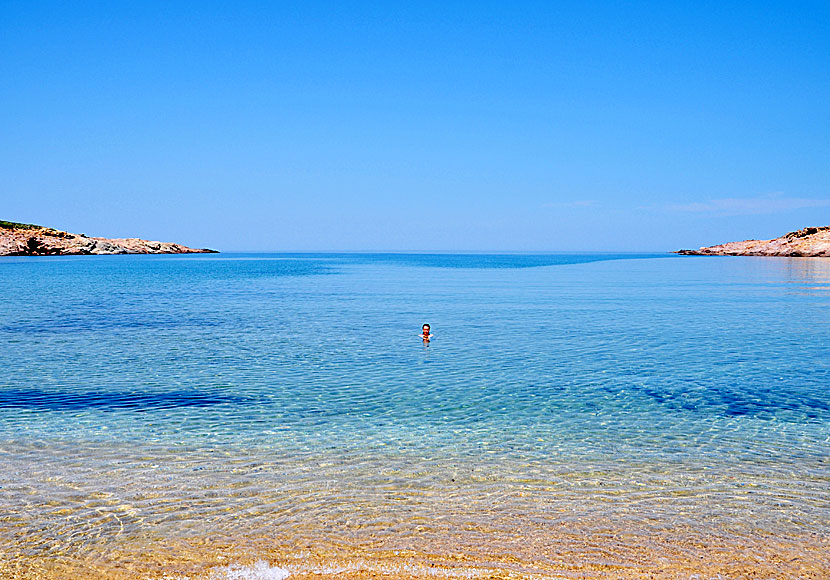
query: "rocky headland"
31, 240
806, 243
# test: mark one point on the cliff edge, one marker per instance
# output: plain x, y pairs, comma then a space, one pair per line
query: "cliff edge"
31, 240
809, 242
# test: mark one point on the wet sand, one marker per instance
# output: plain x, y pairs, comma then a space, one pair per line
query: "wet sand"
510, 548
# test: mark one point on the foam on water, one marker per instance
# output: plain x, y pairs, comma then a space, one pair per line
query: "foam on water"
258, 571
262, 570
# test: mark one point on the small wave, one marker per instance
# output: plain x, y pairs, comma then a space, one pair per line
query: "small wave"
413, 570
263, 571
258, 571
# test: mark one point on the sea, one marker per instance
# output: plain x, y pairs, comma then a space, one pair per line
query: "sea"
271, 416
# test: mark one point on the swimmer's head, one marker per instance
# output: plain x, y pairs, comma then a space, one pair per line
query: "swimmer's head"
425, 328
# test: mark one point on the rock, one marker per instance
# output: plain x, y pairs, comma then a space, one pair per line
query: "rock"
33, 246
31, 240
812, 242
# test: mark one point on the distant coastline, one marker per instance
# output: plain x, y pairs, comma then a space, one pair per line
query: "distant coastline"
812, 242
18, 239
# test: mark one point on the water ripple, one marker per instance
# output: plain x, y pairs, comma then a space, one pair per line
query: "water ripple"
42, 400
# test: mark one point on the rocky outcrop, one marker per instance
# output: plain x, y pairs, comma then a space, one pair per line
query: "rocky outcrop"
809, 242
31, 240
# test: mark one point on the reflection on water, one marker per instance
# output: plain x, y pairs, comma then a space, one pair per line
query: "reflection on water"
814, 272
614, 418
808, 273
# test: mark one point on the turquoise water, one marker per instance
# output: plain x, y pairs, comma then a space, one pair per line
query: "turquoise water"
273, 402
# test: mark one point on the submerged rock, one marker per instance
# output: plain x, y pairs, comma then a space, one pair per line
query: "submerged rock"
808, 242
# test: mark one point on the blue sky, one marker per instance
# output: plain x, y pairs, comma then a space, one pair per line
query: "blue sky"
487, 126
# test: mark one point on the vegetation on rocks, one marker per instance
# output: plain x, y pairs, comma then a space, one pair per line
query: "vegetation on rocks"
19, 226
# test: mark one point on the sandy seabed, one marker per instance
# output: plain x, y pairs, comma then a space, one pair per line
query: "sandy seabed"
504, 551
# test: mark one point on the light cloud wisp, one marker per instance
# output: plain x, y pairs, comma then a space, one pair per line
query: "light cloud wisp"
749, 205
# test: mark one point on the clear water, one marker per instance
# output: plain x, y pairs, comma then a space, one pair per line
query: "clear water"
575, 415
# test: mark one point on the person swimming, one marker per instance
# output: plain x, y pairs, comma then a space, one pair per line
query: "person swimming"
425, 334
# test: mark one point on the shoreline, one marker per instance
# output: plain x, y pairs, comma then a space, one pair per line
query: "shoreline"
571, 553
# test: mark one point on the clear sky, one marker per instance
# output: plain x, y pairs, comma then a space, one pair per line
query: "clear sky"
455, 126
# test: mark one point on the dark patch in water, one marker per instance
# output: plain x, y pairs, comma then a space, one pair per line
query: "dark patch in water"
497, 260
97, 321
738, 401
41, 400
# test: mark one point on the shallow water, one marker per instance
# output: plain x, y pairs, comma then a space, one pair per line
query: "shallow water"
576, 415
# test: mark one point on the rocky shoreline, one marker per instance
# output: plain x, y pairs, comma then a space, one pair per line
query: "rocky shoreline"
811, 242
32, 240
